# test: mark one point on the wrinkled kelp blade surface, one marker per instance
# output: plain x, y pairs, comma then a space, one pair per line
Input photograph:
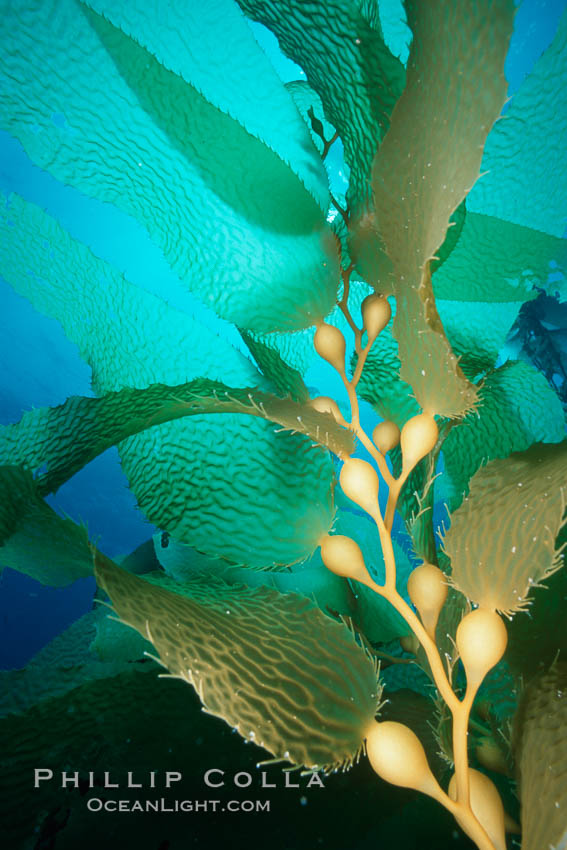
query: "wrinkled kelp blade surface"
188, 475
340, 47
62, 440
272, 665
172, 156
525, 153
502, 538
517, 408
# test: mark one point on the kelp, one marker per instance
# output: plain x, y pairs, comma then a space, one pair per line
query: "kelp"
227, 169
541, 758
517, 409
341, 48
115, 343
183, 182
61, 440
523, 154
412, 223
270, 664
34, 539
519, 503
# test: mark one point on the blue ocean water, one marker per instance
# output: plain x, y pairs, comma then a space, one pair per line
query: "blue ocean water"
40, 367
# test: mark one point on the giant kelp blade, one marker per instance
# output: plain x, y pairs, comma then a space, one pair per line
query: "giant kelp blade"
517, 408
502, 538
541, 759
311, 578
214, 51
190, 474
538, 637
34, 539
294, 350
476, 332
270, 664
286, 378
525, 153
340, 47
233, 219
93, 647
477, 310
509, 262
426, 164
62, 440
115, 724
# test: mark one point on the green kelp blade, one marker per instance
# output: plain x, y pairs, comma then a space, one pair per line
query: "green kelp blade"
34, 539
271, 665
93, 647
341, 49
426, 164
285, 378
311, 578
541, 760
209, 480
502, 538
525, 153
454, 230
214, 51
277, 353
477, 332
517, 408
509, 262
393, 22
232, 217
62, 440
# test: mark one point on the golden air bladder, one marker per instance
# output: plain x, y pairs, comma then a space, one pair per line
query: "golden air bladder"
376, 313
359, 481
418, 438
427, 588
481, 640
386, 436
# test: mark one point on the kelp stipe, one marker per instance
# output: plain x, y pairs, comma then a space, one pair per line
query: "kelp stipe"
231, 458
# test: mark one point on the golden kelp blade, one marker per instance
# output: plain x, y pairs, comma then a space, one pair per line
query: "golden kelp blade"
541, 759
427, 163
272, 665
502, 538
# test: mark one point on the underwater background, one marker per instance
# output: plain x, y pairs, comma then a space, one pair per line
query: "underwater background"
40, 367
